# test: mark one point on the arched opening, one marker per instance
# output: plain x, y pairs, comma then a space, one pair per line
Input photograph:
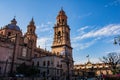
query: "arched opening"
44, 63
32, 63
9, 33
37, 63
48, 63
59, 34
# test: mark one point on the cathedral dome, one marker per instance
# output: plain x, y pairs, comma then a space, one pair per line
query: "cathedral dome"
13, 25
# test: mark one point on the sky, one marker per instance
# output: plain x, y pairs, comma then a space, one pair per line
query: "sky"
93, 23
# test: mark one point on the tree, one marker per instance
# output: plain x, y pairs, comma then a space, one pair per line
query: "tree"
27, 70
113, 59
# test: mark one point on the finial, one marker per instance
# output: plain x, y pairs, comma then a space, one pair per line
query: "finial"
14, 17
13, 21
32, 21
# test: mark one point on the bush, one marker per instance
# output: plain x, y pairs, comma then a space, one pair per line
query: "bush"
112, 77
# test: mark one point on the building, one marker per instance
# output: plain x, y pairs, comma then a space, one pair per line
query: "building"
16, 48
92, 69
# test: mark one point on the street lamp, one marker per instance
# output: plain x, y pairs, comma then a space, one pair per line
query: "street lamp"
5, 68
117, 40
13, 55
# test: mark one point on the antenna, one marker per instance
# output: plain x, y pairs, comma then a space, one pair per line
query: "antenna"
45, 45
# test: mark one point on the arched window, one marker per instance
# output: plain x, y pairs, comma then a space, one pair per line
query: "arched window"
30, 30
48, 63
9, 33
24, 52
58, 64
2, 33
37, 63
62, 21
59, 34
44, 63
67, 36
61, 66
32, 63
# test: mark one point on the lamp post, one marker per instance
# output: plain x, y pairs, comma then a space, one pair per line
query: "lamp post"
13, 55
5, 68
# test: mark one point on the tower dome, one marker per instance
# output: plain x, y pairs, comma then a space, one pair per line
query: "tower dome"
13, 25
61, 18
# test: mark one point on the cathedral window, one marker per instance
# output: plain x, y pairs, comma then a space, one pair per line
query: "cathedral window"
59, 34
2, 33
9, 33
30, 30
44, 63
37, 63
67, 36
58, 64
48, 63
32, 63
62, 21
24, 52
61, 66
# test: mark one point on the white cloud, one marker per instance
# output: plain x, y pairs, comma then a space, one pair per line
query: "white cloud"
86, 45
82, 29
113, 3
44, 42
109, 30
82, 46
45, 27
85, 15
94, 35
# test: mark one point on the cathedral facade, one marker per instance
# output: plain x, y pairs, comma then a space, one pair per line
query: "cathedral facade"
16, 48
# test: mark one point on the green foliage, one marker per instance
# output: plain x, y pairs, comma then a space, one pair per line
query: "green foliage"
27, 70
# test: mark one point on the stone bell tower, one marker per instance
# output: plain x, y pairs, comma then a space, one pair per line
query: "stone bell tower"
61, 35
30, 39
30, 34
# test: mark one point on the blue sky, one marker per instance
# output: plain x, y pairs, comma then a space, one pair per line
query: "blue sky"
93, 23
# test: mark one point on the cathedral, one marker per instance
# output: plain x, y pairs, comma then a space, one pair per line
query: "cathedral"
16, 48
